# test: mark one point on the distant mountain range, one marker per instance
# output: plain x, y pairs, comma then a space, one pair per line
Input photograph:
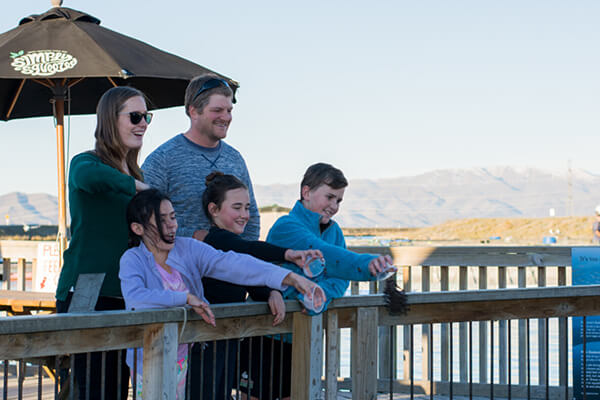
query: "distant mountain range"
437, 196
28, 209
412, 201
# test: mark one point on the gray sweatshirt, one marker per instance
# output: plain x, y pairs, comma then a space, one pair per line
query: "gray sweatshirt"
179, 167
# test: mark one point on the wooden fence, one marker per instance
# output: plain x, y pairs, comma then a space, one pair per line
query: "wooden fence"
459, 268
496, 289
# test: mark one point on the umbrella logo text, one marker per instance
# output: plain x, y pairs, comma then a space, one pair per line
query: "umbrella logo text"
42, 62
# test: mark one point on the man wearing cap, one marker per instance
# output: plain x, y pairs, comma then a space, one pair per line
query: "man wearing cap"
179, 166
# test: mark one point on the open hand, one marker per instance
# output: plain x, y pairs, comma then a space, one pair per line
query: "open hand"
140, 186
380, 264
299, 257
202, 309
277, 306
306, 287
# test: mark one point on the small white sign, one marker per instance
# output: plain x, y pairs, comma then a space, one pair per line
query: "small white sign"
48, 268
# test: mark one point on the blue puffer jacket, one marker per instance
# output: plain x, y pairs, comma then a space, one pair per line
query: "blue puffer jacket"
300, 230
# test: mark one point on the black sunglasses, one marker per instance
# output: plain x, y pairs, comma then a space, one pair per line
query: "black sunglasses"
210, 84
136, 117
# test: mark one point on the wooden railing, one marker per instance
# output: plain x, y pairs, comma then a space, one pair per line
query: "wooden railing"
495, 289
425, 269
158, 330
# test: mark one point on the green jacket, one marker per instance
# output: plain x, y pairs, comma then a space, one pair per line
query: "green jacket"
98, 198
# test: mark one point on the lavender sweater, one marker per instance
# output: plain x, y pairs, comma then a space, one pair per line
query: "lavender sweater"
142, 285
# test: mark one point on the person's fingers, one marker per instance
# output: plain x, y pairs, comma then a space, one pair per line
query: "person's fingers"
372, 269
302, 258
204, 311
376, 265
278, 318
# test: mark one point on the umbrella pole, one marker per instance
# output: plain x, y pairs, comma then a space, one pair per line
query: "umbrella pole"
60, 153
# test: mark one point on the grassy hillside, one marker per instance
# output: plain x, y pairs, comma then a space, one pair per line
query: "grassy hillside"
568, 230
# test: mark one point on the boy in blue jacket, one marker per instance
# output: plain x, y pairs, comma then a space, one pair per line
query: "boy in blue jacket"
310, 226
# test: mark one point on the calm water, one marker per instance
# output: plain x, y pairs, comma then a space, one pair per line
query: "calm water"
418, 369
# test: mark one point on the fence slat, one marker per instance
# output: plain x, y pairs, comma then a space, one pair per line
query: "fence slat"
21, 274
463, 352
364, 352
160, 361
563, 351
483, 334
522, 331
307, 356
425, 287
6, 274
502, 334
386, 339
332, 361
407, 286
542, 323
445, 332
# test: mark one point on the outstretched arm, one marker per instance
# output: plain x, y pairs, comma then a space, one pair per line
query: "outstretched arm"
340, 262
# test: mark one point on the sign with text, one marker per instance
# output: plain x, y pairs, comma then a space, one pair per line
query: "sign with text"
47, 271
586, 271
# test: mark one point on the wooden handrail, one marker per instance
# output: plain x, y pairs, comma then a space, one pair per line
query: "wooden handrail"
500, 256
467, 298
47, 335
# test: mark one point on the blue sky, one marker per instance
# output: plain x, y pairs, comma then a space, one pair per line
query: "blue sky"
380, 89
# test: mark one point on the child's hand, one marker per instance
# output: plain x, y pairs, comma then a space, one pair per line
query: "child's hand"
277, 306
299, 257
202, 309
379, 264
307, 288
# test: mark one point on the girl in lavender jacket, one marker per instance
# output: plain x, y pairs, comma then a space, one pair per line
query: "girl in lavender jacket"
165, 271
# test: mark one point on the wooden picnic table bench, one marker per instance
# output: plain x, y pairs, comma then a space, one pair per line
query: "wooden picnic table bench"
17, 302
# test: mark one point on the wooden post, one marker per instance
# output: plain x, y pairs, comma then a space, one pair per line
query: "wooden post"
425, 287
21, 274
354, 291
406, 286
6, 274
563, 351
522, 282
483, 333
542, 334
33, 273
59, 113
364, 352
386, 339
463, 347
373, 287
332, 348
445, 331
307, 356
160, 361
503, 338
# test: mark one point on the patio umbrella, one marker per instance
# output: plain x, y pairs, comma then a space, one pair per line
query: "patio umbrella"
65, 54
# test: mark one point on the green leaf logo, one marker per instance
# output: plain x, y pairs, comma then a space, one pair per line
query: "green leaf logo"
18, 54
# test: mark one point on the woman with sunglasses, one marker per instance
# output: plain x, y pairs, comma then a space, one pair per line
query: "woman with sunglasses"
101, 184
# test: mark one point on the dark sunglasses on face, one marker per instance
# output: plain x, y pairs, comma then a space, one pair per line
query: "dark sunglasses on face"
136, 117
210, 84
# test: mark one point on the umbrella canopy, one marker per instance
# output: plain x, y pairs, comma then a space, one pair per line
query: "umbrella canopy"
65, 52
65, 43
